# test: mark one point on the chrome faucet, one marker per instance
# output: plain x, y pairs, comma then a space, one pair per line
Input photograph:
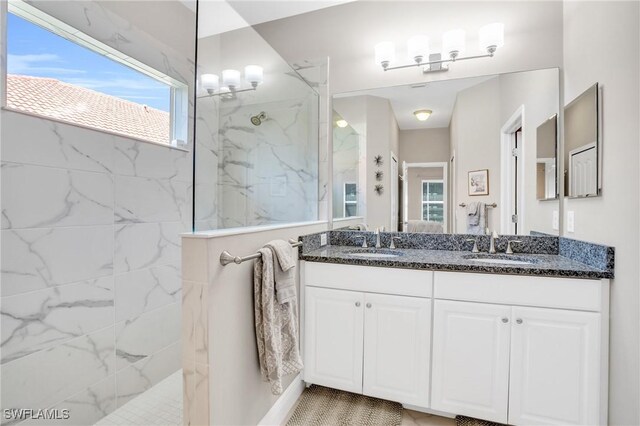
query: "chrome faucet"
378, 245
492, 242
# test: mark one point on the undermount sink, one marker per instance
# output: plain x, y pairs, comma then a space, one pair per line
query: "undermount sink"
374, 253
500, 259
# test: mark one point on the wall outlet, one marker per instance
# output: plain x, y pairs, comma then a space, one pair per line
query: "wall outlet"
571, 221
323, 240
555, 222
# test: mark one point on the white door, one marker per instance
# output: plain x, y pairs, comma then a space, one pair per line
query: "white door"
333, 338
555, 367
470, 370
584, 171
396, 348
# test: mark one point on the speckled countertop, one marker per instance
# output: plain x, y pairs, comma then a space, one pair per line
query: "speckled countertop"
549, 265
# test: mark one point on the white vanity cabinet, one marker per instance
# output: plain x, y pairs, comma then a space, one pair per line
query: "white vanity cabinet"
372, 343
471, 344
497, 357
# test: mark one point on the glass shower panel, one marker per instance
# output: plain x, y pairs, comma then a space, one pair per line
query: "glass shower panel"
256, 159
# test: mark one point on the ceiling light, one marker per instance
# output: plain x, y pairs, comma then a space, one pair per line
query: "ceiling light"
422, 114
342, 123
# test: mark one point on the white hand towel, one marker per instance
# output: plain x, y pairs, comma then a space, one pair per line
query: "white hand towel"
284, 270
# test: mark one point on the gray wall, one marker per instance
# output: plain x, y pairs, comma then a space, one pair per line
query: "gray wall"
424, 145
90, 296
611, 30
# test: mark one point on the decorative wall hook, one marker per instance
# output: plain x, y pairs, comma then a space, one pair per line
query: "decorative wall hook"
378, 160
379, 189
379, 174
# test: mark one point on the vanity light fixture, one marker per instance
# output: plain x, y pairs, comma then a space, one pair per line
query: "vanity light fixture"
423, 114
491, 38
231, 81
342, 123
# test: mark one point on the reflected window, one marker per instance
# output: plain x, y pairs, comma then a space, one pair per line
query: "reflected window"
350, 199
433, 200
57, 72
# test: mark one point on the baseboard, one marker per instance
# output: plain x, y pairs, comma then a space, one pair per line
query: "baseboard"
280, 410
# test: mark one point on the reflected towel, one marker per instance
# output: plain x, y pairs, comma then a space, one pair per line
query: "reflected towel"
476, 218
284, 270
276, 325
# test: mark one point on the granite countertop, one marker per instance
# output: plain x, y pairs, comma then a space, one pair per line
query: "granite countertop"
549, 265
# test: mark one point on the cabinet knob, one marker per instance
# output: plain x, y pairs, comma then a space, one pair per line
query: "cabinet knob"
505, 320
519, 321
358, 304
368, 305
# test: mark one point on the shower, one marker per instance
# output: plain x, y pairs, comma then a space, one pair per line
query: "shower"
257, 120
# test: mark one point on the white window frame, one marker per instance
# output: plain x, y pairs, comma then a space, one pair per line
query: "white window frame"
428, 181
179, 91
345, 201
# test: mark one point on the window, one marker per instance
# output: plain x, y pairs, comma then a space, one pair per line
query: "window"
433, 200
55, 71
350, 199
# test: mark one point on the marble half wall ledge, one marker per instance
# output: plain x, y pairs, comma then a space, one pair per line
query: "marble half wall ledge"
216, 233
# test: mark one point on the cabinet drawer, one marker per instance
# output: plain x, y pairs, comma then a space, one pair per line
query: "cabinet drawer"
548, 292
402, 282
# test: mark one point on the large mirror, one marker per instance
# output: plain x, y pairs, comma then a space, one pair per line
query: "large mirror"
465, 155
582, 145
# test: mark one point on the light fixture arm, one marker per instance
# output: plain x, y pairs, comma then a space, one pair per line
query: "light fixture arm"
231, 92
453, 58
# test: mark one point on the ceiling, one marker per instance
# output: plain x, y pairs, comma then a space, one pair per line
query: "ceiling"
438, 96
221, 16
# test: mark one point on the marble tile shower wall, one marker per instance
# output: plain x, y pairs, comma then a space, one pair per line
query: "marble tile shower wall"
207, 211
90, 251
268, 173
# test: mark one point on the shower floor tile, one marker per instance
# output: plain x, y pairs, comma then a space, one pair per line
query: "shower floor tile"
161, 405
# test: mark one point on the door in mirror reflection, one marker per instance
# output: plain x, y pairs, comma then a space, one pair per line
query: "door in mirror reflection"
582, 145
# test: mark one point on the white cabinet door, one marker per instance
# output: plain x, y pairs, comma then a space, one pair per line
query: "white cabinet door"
555, 367
470, 370
396, 348
333, 338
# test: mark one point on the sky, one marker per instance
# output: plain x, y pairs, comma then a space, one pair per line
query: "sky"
34, 51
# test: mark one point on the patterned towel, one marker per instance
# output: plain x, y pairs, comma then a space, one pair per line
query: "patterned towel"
276, 325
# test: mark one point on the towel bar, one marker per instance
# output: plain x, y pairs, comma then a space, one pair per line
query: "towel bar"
226, 257
493, 205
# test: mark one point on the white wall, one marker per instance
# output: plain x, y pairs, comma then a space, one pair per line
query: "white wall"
601, 44
90, 237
